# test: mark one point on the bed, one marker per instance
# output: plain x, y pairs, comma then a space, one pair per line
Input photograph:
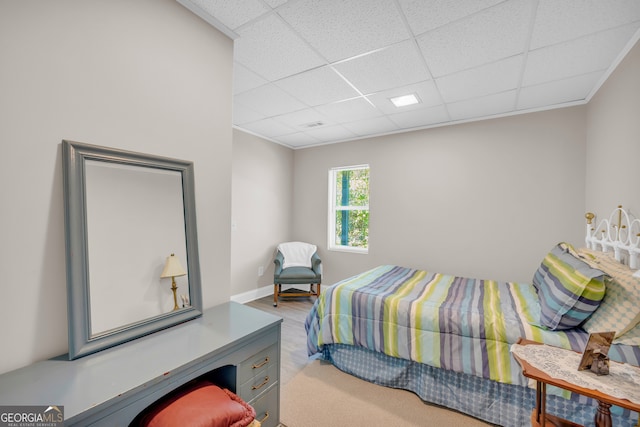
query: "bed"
448, 338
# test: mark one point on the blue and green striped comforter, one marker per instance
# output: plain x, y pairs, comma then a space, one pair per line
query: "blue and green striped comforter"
461, 324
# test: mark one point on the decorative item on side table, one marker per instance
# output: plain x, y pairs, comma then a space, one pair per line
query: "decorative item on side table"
595, 352
173, 269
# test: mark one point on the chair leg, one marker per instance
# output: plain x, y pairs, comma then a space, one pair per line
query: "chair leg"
318, 290
275, 295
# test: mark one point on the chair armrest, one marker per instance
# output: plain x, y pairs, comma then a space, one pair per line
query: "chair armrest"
316, 263
278, 261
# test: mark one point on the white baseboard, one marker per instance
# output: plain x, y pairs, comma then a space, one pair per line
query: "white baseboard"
255, 294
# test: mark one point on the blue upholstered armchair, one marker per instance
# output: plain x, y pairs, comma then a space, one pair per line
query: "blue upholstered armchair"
296, 263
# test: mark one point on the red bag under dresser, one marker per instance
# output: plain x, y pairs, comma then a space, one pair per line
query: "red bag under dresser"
199, 404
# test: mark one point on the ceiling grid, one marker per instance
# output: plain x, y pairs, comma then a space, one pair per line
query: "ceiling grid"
311, 72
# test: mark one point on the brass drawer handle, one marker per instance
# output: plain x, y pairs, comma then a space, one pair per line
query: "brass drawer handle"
260, 365
262, 384
266, 417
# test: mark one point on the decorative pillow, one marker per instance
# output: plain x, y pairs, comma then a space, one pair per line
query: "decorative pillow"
201, 404
620, 309
631, 337
569, 289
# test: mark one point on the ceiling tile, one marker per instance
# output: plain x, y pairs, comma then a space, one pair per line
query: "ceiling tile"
268, 128
587, 54
244, 79
271, 38
485, 37
341, 29
425, 15
559, 91
297, 140
319, 86
269, 100
275, 3
375, 126
349, 111
559, 21
233, 13
242, 114
331, 133
492, 78
484, 106
397, 65
426, 91
302, 119
420, 118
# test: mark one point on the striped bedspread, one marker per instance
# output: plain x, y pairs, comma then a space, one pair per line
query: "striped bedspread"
461, 324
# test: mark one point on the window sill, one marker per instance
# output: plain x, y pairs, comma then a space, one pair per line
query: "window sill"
349, 249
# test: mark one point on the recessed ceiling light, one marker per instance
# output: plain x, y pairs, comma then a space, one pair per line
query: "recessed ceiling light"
404, 100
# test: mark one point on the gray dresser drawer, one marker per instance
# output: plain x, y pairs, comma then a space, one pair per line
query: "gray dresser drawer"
259, 384
257, 365
266, 407
257, 380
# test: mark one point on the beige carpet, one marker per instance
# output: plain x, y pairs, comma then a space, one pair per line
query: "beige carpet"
321, 395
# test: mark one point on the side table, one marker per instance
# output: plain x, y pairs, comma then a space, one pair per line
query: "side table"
539, 417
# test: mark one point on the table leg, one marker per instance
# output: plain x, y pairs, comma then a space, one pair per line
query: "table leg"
538, 391
543, 405
539, 417
603, 415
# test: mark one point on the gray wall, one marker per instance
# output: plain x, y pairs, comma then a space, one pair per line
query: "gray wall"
613, 141
485, 199
262, 208
143, 75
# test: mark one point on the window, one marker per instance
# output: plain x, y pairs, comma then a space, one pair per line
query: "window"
349, 208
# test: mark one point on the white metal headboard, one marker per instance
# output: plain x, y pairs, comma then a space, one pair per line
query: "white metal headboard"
621, 232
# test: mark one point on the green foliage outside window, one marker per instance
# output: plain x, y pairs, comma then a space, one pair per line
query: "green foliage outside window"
352, 207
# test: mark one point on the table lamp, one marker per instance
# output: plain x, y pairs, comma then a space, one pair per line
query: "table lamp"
173, 269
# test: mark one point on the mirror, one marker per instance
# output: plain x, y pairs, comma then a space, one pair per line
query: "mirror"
125, 213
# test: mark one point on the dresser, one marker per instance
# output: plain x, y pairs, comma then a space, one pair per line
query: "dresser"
234, 343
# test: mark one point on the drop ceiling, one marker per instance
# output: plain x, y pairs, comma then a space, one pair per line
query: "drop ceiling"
311, 72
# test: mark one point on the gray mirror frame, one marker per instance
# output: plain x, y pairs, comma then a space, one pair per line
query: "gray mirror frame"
74, 155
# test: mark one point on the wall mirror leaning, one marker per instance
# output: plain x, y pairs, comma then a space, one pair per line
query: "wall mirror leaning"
125, 213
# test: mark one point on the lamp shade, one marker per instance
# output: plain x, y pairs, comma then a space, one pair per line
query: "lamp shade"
172, 268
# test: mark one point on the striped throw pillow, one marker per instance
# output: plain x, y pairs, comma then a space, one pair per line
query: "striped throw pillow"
569, 289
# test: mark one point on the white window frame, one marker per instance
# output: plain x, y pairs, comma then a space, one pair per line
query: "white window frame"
332, 210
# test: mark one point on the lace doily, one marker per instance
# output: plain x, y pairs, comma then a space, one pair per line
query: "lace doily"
623, 381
